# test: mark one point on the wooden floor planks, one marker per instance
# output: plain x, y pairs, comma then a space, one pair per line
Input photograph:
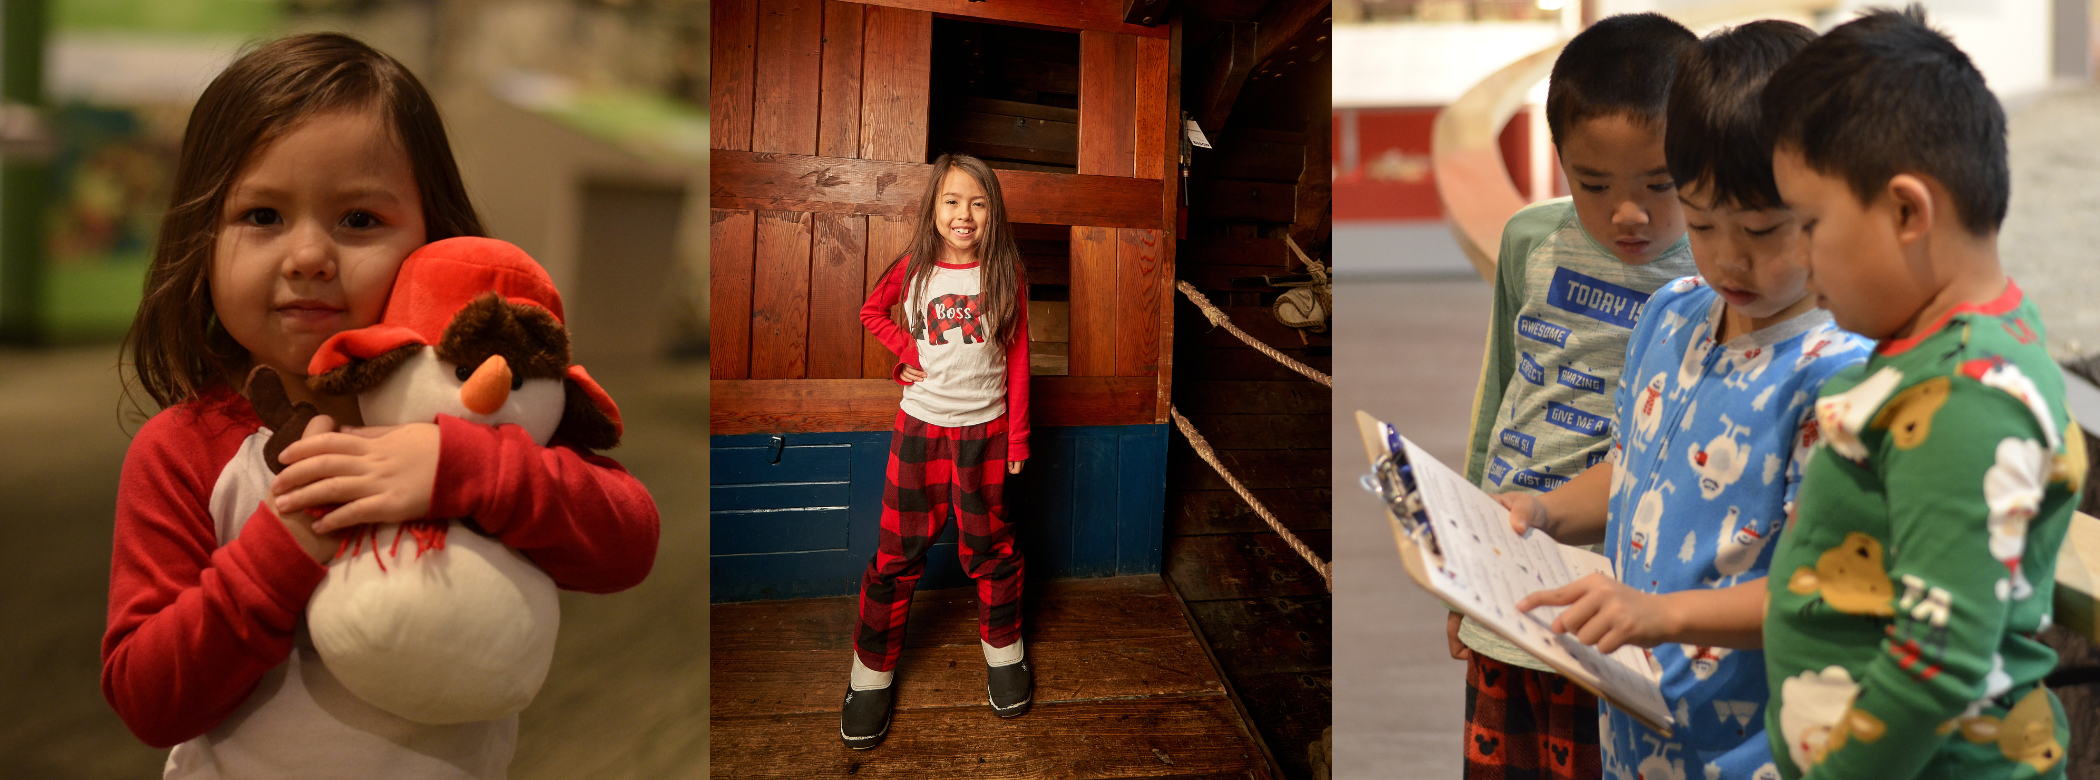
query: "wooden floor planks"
1123, 690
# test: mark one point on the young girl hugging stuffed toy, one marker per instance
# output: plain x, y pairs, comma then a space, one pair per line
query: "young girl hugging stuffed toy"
310, 170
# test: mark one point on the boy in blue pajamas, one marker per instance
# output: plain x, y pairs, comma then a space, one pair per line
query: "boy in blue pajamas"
1714, 420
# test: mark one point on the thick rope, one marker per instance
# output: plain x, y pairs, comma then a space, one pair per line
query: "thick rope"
1218, 318
1324, 290
1210, 456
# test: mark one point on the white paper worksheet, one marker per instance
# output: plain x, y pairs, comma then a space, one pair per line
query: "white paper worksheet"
1485, 568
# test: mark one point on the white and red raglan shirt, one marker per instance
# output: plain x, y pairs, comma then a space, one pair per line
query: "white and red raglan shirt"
206, 649
970, 378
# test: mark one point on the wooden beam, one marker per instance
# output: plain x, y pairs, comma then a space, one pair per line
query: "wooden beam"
1170, 224
822, 405
729, 255
888, 237
837, 265
1094, 336
1154, 155
1232, 58
838, 124
1104, 15
1138, 290
1107, 102
780, 296
784, 118
735, 24
896, 65
748, 180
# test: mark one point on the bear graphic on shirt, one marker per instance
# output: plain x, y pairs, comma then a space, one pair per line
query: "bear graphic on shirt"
955, 311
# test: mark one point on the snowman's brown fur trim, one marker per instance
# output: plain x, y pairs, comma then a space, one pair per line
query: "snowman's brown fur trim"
528, 337
583, 423
362, 374
287, 420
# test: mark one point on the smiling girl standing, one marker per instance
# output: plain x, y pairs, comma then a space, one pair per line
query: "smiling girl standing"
961, 429
309, 171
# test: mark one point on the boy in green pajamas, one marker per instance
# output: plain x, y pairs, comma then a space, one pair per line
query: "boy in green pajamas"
1904, 601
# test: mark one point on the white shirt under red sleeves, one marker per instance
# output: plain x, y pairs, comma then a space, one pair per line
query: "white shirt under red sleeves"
206, 643
966, 385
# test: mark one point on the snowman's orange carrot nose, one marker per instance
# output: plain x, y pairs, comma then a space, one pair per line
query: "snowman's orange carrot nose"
488, 388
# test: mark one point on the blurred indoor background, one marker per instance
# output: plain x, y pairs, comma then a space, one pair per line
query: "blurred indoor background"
581, 130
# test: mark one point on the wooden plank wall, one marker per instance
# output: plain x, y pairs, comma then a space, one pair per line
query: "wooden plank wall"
820, 128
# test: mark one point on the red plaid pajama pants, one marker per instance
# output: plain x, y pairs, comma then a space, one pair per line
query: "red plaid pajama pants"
1523, 724
933, 469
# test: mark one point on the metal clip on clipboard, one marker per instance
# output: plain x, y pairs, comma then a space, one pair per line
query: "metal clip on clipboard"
1393, 481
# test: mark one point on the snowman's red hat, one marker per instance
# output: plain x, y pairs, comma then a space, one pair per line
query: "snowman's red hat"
434, 285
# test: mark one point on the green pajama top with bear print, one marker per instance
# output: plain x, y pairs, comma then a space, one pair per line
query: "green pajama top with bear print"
1900, 632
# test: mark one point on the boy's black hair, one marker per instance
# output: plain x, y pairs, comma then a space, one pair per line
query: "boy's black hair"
1711, 133
1620, 66
1885, 94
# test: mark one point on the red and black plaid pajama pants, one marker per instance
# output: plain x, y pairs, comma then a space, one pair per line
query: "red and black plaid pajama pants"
1524, 724
933, 469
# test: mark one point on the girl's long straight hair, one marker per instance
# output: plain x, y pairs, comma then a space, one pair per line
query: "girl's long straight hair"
176, 346
1002, 270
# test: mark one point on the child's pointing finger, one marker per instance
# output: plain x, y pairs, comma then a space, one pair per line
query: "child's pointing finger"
1556, 597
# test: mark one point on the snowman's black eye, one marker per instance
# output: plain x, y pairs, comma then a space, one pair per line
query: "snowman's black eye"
516, 382
463, 372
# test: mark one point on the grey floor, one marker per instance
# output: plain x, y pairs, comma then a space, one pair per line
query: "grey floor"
1411, 358
627, 697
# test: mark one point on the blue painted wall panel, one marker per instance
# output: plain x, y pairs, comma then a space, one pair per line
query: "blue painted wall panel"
750, 461
1138, 548
1095, 481
1089, 504
779, 495
779, 530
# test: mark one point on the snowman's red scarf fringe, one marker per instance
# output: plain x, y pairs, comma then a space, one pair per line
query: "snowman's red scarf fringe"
429, 535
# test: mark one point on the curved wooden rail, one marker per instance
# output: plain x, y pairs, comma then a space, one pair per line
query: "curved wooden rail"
1471, 179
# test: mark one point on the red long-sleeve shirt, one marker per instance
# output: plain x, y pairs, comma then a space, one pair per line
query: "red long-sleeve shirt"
195, 624
875, 316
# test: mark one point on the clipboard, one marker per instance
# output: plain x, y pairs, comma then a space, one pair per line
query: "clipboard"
1455, 542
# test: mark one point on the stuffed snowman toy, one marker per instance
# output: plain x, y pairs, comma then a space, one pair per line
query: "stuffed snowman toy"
434, 620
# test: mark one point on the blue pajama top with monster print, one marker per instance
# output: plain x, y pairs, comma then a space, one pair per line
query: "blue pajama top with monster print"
1708, 449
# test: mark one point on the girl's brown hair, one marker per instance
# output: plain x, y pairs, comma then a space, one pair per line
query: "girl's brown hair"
1003, 272
176, 345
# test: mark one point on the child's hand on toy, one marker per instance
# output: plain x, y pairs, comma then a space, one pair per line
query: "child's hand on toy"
1605, 612
321, 547
1014, 466
1459, 650
377, 474
1525, 512
913, 375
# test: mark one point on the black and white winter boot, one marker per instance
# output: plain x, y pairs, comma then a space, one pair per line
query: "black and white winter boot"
865, 717
1009, 683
